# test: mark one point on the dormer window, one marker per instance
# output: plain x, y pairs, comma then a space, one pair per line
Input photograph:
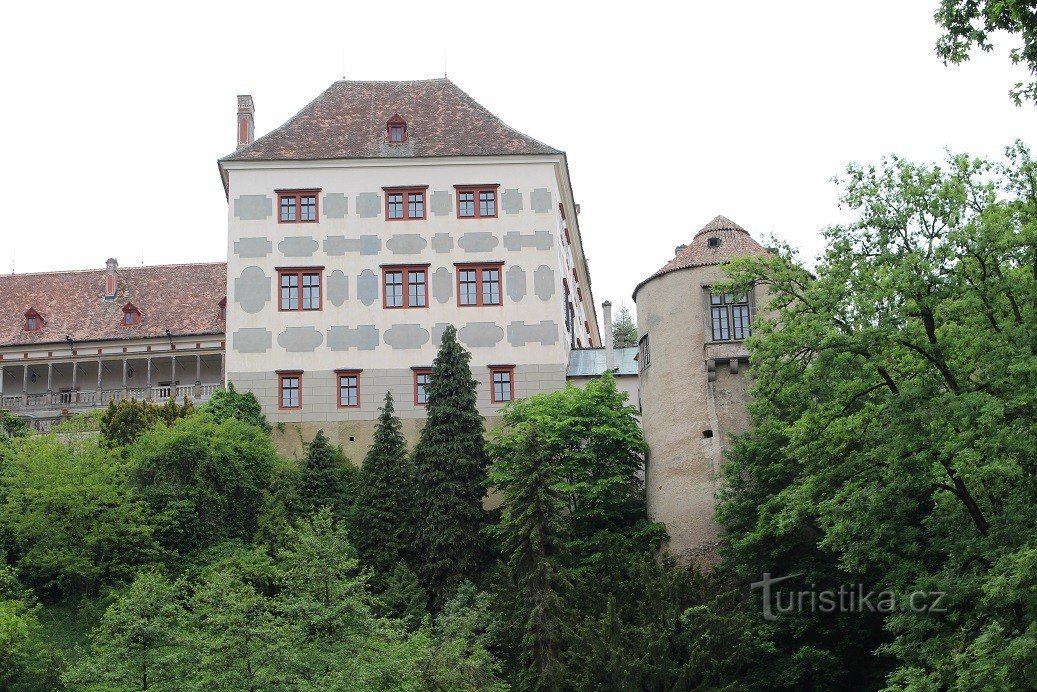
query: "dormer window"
33, 321
222, 312
713, 242
130, 315
396, 130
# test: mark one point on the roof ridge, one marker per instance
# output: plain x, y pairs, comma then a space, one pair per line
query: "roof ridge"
103, 269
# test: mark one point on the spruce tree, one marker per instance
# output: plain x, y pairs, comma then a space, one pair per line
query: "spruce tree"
450, 460
532, 529
624, 331
383, 529
325, 478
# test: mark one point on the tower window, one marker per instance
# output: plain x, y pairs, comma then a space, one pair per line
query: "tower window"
729, 316
644, 355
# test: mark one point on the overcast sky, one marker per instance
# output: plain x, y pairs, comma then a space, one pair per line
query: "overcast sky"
114, 114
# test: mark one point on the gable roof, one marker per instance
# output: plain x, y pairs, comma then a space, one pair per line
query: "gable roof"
735, 241
183, 298
348, 121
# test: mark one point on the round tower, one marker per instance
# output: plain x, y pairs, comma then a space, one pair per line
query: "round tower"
692, 384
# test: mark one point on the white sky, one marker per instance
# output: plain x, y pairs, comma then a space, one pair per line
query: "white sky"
114, 114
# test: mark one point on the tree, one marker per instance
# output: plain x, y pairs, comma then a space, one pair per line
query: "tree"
171, 411
11, 425
228, 403
624, 331
125, 421
450, 460
383, 526
141, 642
970, 23
402, 597
23, 649
326, 478
532, 531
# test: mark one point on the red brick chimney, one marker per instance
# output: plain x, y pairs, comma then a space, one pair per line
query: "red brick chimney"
110, 282
246, 124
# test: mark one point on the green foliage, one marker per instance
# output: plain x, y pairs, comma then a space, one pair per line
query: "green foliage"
281, 504
11, 425
970, 23
402, 597
171, 412
383, 526
228, 403
125, 421
23, 651
624, 331
75, 520
326, 478
450, 470
85, 421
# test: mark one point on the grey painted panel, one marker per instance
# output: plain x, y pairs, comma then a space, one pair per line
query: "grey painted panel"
442, 242
336, 205
337, 245
406, 244
368, 204
544, 282
539, 240
540, 200
441, 203
364, 337
253, 207
367, 287
300, 339
511, 201
516, 278
406, 336
252, 289
252, 340
442, 285
477, 242
437, 332
520, 333
338, 288
253, 247
298, 246
480, 334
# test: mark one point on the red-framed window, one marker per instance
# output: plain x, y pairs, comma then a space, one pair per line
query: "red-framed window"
476, 201
297, 206
299, 288
502, 383
404, 286
396, 130
479, 284
130, 315
348, 388
422, 382
289, 389
33, 320
404, 204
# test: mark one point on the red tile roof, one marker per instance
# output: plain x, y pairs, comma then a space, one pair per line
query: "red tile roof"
183, 298
348, 121
735, 241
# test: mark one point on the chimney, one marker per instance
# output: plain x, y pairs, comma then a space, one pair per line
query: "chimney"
246, 123
110, 283
677, 250
610, 356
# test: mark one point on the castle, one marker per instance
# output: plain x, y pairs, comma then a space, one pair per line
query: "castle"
358, 230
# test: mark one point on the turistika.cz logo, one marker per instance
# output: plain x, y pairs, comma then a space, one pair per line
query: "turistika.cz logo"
848, 598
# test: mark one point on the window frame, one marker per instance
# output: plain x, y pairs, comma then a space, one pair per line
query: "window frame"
407, 192
339, 376
131, 309
479, 267
477, 190
396, 122
494, 371
418, 371
283, 375
407, 270
742, 308
297, 196
299, 273
644, 353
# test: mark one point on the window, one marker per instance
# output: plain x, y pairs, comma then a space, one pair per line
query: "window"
289, 387
501, 381
644, 355
729, 316
396, 130
479, 284
405, 286
422, 380
297, 206
713, 242
404, 204
33, 321
476, 201
300, 288
348, 388
130, 315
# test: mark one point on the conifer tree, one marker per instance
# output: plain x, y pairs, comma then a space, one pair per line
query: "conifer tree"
383, 530
450, 460
624, 331
326, 477
532, 529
